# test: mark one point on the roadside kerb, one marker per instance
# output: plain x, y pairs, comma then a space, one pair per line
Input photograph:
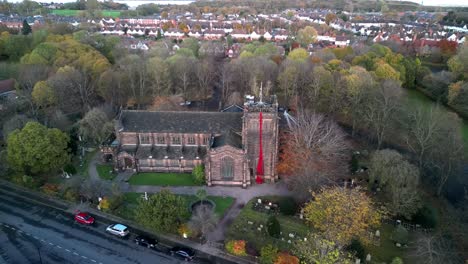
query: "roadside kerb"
215, 255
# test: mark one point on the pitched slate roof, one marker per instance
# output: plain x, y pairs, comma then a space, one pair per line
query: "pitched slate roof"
230, 138
171, 152
180, 122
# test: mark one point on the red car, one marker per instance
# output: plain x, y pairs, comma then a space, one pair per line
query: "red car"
84, 218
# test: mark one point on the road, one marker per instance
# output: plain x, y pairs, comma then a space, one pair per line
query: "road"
34, 233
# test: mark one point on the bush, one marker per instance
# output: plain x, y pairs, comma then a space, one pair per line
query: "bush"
357, 249
71, 195
50, 189
400, 235
184, 229
70, 169
251, 250
288, 206
236, 247
273, 227
115, 202
426, 217
26, 181
285, 258
397, 260
104, 204
198, 174
268, 254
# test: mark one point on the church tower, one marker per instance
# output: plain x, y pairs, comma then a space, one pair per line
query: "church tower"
260, 137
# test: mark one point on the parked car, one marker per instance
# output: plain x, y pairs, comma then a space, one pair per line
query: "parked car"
146, 241
118, 230
185, 253
84, 218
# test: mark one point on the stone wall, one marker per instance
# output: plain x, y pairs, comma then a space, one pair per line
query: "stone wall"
213, 171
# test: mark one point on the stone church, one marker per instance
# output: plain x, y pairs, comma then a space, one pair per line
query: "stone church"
237, 146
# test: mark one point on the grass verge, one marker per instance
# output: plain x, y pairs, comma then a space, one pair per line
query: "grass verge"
105, 171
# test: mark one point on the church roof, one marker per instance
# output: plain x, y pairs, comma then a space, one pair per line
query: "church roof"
179, 122
230, 138
170, 152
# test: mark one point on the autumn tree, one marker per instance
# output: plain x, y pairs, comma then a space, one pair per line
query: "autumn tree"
159, 75
458, 64
43, 95
342, 214
399, 179
313, 153
306, 36
298, 54
320, 251
37, 149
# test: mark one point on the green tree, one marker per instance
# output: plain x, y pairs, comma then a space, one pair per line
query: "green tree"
198, 174
398, 178
273, 227
317, 250
268, 254
36, 149
161, 212
26, 30
43, 95
298, 54
95, 126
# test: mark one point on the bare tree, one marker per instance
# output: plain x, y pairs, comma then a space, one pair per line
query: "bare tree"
317, 150
182, 72
203, 220
435, 249
425, 127
381, 109
205, 73
28, 76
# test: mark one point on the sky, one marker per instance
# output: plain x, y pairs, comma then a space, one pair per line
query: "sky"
442, 2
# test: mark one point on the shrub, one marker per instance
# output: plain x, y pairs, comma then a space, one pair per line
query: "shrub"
357, 249
426, 217
236, 247
268, 254
26, 181
273, 227
198, 174
115, 202
50, 189
184, 229
251, 250
397, 260
70, 169
285, 258
287, 206
71, 195
400, 235
104, 204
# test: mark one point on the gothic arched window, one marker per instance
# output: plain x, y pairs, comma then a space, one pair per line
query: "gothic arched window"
227, 168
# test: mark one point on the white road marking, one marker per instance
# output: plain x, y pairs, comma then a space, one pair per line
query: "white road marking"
67, 250
59, 246
74, 253
36, 237
51, 244
42, 240
93, 260
84, 257
12, 228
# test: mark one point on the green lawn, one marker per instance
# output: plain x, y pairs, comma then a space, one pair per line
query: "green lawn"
105, 171
69, 12
83, 169
387, 249
241, 229
163, 179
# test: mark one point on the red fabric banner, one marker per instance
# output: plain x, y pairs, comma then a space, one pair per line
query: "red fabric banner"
260, 171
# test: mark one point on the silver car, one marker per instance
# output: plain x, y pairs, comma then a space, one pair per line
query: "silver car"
118, 230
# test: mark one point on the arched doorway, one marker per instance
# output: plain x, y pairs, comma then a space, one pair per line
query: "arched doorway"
128, 163
107, 158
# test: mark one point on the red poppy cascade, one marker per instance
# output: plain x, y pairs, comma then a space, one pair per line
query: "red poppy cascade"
260, 172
